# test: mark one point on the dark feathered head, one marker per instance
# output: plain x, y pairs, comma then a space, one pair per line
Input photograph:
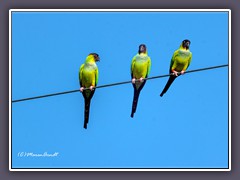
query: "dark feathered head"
96, 56
186, 43
142, 48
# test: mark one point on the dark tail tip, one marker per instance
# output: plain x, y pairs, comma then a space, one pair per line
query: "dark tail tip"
85, 126
161, 94
132, 115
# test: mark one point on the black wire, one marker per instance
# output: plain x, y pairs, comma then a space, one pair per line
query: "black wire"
115, 84
43, 96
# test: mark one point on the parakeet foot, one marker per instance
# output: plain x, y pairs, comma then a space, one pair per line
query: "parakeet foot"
141, 79
81, 89
175, 73
91, 88
133, 80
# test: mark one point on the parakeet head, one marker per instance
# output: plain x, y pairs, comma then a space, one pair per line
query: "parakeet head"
186, 43
142, 48
96, 56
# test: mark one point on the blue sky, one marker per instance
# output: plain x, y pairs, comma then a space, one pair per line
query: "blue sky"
186, 128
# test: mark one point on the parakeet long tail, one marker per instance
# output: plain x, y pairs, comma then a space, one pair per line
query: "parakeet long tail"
170, 81
135, 101
86, 112
135, 97
87, 101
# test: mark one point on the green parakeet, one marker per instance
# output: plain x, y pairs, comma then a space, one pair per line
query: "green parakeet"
140, 68
88, 78
180, 61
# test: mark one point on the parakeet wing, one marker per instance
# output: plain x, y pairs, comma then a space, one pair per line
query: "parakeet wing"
80, 74
132, 65
172, 60
149, 66
96, 77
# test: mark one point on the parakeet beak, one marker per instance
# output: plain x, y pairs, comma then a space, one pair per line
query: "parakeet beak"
142, 49
96, 56
97, 59
187, 45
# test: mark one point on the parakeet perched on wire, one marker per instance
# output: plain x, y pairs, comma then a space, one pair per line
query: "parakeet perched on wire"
88, 78
180, 61
140, 69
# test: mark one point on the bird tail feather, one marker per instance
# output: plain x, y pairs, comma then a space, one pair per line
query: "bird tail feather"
86, 112
135, 101
170, 81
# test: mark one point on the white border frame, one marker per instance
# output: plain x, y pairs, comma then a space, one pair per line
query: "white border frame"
119, 10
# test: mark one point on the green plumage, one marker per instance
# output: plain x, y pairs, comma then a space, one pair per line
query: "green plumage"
88, 78
140, 68
180, 61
